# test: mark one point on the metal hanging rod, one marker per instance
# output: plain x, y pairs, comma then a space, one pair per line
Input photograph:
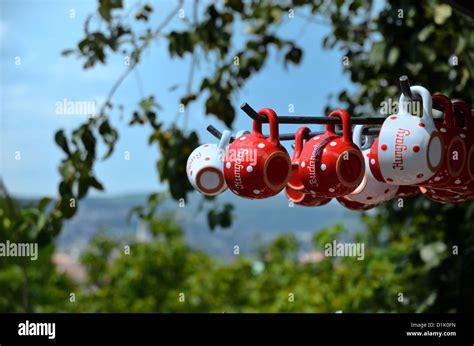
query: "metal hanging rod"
305, 119
291, 136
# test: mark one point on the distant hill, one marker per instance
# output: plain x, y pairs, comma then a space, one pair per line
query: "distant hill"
256, 222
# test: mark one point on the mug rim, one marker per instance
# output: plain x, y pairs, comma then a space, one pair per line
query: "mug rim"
457, 173
291, 198
301, 188
361, 186
361, 172
270, 157
432, 168
470, 157
221, 185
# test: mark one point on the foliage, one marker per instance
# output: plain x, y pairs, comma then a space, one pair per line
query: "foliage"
29, 285
167, 275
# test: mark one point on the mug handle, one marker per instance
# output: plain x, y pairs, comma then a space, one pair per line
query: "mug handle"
468, 116
273, 121
369, 140
357, 136
225, 139
299, 138
346, 124
448, 109
427, 104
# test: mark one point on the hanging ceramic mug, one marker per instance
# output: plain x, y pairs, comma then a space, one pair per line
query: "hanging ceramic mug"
257, 166
353, 205
332, 166
465, 181
447, 176
443, 196
295, 190
407, 191
307, 199
409, 149
295, 182
370, 190
205, 167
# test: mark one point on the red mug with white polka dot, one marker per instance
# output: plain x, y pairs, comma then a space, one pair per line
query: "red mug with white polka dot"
443, 196
353, 205
447, 176
309, 199
409, 149
205, 167
257, 166
295, 190
295, 182
466, 178
329, 165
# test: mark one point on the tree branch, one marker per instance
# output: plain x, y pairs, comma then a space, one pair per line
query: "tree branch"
133, 64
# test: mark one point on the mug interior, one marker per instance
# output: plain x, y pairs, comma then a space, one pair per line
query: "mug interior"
455, 166
350, 167
293, 195
210, 180
435, 152
295, 180
277, 170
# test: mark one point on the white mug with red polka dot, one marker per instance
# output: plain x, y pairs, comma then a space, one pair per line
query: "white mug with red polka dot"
205, 167
370, 191
409, 149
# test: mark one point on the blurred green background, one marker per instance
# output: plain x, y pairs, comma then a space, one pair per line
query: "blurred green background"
419, 255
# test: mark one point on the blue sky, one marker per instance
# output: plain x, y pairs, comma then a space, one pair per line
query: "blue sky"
37, 32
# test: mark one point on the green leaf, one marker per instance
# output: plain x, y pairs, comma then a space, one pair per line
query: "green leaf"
236, 5
92, 181
221, 218
377, 54
147, 8
461, 45
426, 32
67, 52
153, 199
43, 203
442, 12
66, 209
393, 56
61, 141
83, 187
135, 211
147, 103
294, 55
42, 219
65, 189
106, 6
188, 98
